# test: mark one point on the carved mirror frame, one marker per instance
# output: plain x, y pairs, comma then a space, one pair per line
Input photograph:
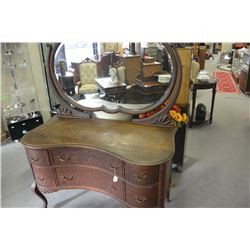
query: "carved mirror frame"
68, 107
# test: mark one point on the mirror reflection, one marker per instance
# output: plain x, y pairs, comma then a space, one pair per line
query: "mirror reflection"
132, 75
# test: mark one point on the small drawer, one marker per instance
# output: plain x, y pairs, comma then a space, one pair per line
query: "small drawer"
87, 177
38, 157
44, 176
142, 197
69, 156
144, 175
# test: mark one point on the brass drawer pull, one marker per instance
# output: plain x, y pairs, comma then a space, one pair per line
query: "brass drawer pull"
63, 157
40, 178
141, 178
112, 167
140, 200
115, 177
68, 178
34, 159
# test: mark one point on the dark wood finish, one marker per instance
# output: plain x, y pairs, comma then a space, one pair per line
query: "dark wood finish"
38, 157
180, 141
112, 92
132, 64
127, 161
107, 60
148, 69
211, 84
151, 87
145, 175
244, 81
236, 76
35, 189
147, 91
202, 57
239, 45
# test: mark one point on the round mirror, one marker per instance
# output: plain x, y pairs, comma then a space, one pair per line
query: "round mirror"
131, 78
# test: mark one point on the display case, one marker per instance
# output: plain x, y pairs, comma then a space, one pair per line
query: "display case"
19, 101
244, 81
240, 57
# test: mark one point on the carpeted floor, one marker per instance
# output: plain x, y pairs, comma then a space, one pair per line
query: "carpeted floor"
215, 173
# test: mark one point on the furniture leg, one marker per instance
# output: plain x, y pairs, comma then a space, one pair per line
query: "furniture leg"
169, 184
193, 108
212, 105
35, 189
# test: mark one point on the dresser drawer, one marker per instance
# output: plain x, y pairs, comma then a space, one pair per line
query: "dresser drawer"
143, 175
142, 197
69, 156
87, 157
106, 162
38, 157
87, 177
44, 176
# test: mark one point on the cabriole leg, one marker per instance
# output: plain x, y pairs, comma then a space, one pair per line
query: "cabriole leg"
35, 189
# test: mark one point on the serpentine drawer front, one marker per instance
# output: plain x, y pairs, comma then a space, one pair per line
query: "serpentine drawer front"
142, 175
44, 177
38, 157
133, 175
76, 177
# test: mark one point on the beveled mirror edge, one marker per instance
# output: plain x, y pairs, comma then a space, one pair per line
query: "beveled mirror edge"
75, 109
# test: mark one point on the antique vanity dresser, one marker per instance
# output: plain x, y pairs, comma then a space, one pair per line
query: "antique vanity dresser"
128, 159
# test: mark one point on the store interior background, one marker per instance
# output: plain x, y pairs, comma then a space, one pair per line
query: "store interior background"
211, 151
180, 21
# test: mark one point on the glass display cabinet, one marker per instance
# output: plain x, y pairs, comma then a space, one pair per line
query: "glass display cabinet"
19, 99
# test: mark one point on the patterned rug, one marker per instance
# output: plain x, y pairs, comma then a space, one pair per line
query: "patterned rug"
226, 83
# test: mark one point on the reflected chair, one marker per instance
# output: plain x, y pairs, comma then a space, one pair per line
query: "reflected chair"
88, 73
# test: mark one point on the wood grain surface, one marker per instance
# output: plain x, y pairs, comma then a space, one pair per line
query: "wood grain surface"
134, 143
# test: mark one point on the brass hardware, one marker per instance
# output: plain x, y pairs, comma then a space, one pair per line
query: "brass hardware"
68, 178
112, 167
140, 200
40, 178
141, 178
63, 157
34, 159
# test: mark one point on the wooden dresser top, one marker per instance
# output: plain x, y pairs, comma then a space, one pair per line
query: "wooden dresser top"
133, 143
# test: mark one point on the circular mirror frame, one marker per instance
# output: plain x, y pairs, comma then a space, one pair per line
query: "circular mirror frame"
170, 94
